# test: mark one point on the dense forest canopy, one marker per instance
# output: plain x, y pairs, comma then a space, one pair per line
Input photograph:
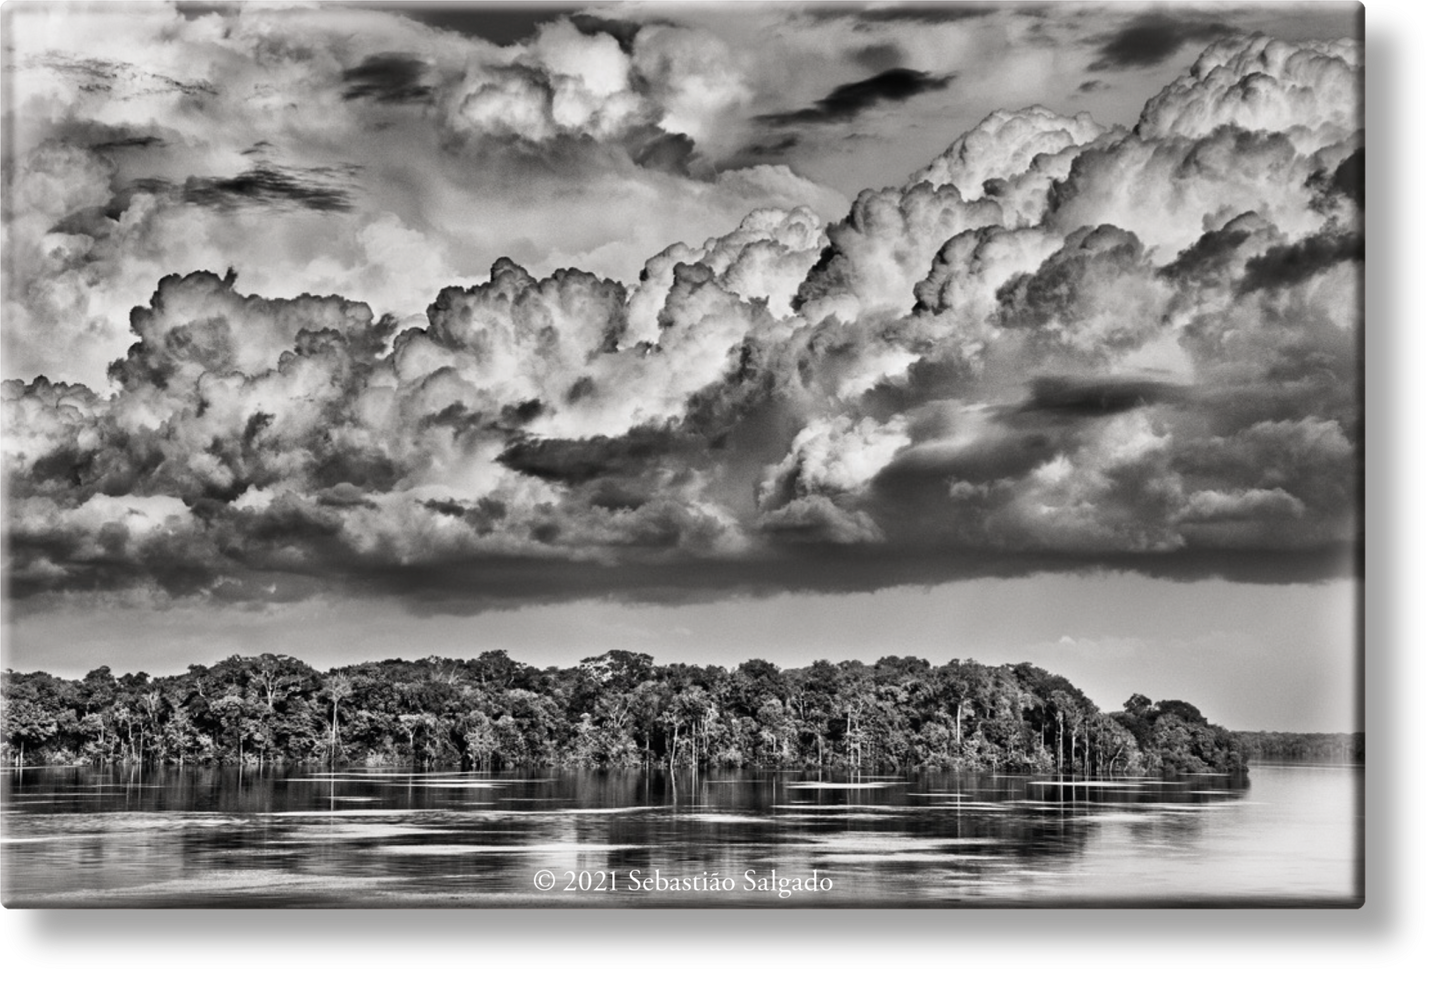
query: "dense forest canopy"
1303, 748
618, 709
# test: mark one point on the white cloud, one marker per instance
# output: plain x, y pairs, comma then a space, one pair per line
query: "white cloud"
1132, 350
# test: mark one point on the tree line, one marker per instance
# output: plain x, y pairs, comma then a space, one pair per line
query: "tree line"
1303, 748
620, 709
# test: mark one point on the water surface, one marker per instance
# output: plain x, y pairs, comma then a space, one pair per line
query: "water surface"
83, 837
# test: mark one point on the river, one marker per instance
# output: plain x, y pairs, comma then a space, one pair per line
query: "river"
290, 837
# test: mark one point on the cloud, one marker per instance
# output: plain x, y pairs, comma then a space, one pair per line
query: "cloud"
773, 147
1007, 145
128, 143
839, 456
389, 78
1309, 92
1348, 178
1152, 38
576, 461
817, 519
933, 13
1295, 262
352, 150
623, 32
878, 57
1168, 191
1092, 397
1056, 347
884, 246
847, 101
268, 186
1094, 297
502, 24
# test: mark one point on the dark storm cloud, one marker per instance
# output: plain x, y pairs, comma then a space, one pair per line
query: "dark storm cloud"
933, 13
1151, 38
1348, 179
448, 507
129, 143
1211, 256
773, 148
390, 78
574, 461
1292, 263
482, 515
264, 185
499, 23
515, 23
671, 153
614, 494
1075, 396
192, 9
849, 100
825, 568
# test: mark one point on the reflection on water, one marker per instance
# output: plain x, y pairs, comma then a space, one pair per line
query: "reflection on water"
292, 837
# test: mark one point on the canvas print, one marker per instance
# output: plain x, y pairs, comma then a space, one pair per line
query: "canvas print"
682, 455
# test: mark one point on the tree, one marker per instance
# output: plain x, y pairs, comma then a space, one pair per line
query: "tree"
335, 687
482, 740
1118, 751
815, 701
1138, 705
494, 669
277, 677
954, 690
27, 723
687, 709
1065, 712
241, 718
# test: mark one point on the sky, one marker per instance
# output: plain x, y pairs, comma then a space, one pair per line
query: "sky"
1014, 333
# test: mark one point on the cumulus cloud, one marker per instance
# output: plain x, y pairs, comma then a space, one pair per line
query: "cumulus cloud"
309, 149
1056, 346
1007, 145
1311, 92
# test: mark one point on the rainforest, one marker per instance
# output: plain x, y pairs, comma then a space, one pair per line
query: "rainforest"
619, 709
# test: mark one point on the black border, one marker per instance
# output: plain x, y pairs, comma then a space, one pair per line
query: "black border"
1379, 935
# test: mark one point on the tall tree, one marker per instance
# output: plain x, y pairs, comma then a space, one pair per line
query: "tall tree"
336, 688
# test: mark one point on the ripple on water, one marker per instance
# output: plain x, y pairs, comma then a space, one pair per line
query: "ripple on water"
525, 849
